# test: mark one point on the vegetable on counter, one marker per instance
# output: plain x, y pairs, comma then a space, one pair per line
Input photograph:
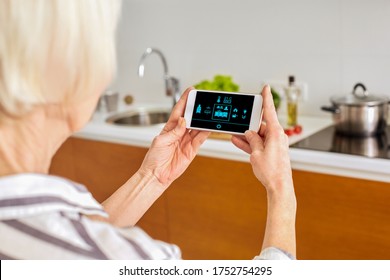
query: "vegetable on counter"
275, 97
297, 129
220, 82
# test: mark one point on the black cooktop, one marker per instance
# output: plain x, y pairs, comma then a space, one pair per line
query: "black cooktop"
327, 140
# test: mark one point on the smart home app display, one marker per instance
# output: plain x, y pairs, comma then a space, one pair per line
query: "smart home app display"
221, 111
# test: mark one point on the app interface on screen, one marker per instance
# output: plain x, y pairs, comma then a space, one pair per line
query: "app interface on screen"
221, 111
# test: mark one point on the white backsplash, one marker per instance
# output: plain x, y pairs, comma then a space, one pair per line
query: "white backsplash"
330, 44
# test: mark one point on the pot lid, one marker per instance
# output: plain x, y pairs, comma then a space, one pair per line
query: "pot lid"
360, 98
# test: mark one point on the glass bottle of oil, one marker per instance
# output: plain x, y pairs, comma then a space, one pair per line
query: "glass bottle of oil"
292, 95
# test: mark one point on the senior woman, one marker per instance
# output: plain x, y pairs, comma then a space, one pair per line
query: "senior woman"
56, 57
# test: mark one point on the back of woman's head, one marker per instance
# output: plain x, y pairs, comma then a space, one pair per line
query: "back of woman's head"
54, 51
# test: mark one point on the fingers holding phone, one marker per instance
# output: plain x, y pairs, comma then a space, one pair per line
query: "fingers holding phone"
268, 148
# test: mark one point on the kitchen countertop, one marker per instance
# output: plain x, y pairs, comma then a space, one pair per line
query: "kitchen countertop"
306, 160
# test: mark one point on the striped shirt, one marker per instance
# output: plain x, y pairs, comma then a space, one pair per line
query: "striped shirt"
44, 217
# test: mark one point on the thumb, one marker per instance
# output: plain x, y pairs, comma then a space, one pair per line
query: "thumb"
174, 134
254, 140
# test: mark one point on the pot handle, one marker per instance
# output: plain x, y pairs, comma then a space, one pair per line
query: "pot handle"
365, 92
331, 109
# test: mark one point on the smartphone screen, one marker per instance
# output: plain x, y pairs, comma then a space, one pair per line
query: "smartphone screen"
222, 111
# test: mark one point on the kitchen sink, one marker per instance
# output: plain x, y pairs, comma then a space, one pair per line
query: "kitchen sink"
140, 117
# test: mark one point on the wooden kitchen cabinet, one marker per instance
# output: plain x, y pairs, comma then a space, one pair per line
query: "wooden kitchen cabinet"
217, 209
342, 218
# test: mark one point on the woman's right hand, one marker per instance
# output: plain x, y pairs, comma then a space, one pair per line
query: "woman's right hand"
271, 165
268, 149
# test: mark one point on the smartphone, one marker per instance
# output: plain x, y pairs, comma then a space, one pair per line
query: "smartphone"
226, 112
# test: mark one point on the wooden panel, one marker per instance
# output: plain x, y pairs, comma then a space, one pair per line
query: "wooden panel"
62, 163
342, 218
105, 166
217, 210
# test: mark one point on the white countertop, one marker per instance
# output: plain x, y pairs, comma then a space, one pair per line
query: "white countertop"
306, 160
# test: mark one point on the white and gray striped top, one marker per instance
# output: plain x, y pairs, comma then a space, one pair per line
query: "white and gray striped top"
43, 217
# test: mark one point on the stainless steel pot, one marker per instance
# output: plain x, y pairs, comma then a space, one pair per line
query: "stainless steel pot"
359, 114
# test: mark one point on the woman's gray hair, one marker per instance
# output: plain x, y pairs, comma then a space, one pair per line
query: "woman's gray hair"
54, 51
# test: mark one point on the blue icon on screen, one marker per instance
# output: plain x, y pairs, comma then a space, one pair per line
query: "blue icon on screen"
219, 126
227, 100
199, 109
220, 114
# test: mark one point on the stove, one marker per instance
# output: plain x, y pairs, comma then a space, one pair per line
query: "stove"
327, 140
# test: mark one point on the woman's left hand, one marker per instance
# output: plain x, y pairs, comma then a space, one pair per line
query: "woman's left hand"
174, 149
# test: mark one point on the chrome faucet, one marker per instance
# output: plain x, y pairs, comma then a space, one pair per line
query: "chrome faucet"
171, 83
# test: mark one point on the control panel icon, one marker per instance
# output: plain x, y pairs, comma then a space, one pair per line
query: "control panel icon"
199, 109
221, 112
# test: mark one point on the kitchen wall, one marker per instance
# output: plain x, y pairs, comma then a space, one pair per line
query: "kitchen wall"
330, 44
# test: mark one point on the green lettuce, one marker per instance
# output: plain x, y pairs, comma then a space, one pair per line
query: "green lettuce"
220, 82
